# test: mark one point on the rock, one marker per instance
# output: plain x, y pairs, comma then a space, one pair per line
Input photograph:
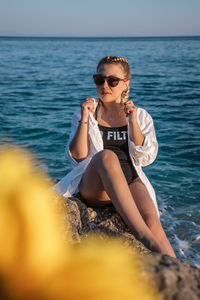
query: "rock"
102, 220
176, 280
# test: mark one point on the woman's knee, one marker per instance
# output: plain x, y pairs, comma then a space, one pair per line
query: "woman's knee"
106, 159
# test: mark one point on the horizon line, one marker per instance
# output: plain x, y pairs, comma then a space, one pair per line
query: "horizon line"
128, 36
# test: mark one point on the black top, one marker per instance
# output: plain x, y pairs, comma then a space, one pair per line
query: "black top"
116, 139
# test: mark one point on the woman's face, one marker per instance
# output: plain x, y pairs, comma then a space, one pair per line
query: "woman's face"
107, 93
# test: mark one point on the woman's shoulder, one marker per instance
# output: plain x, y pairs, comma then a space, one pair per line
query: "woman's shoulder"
143, 112
143, 117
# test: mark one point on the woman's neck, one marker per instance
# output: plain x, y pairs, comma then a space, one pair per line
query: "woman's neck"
110, 114
109, 107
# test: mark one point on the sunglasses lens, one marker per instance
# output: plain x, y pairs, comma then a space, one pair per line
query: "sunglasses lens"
98, 79
113, 81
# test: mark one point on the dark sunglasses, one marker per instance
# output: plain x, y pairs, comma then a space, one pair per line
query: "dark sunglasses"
111, 80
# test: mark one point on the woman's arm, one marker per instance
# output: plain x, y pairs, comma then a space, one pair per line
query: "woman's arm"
143, 146
135, 132
79, 145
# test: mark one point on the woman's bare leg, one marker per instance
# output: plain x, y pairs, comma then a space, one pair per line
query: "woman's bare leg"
148, 211
104, 182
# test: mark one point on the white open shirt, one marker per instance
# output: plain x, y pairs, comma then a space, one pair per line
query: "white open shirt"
140, 155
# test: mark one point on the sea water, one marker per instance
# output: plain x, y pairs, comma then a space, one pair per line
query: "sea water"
44, 80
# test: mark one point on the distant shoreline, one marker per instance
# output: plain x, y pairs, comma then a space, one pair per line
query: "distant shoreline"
100, 37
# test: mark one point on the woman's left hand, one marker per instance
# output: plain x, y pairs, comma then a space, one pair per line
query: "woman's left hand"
130, 110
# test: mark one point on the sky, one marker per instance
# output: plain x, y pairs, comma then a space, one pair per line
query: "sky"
87, 18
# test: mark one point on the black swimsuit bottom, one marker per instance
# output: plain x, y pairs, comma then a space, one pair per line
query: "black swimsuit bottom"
116, 139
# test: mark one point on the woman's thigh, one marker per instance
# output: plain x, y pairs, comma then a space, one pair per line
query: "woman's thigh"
143, 200
91, 187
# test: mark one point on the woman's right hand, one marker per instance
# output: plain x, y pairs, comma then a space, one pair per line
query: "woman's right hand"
86, 106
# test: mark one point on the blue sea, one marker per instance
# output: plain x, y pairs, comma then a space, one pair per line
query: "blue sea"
43, 80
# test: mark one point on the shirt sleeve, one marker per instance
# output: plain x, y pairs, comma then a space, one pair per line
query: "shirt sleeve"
144, 155
74, 126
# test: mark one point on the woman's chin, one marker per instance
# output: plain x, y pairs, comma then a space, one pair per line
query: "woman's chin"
106, 98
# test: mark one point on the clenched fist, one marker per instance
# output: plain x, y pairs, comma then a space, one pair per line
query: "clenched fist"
130, 110
87, 105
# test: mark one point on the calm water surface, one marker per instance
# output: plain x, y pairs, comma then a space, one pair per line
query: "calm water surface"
43, 80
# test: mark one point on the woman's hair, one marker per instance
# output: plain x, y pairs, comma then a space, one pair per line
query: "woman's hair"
125, 66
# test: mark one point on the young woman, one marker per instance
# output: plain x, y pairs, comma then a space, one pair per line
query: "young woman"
111, 139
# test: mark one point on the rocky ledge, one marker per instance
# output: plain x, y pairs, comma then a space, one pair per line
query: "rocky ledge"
176, 280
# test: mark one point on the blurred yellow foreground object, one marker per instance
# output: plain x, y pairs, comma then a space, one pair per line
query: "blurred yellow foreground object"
36, 261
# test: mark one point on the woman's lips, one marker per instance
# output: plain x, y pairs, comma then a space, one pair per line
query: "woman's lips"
105, 93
